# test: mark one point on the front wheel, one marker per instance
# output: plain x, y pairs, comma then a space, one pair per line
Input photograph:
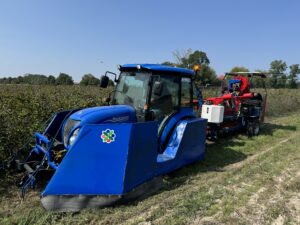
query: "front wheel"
253, 128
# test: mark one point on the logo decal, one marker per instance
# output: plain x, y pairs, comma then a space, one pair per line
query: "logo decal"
108, 136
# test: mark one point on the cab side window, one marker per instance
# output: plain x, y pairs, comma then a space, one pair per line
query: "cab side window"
167, 100
186, 86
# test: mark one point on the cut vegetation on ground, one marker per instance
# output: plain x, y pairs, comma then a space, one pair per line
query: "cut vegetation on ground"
240, 181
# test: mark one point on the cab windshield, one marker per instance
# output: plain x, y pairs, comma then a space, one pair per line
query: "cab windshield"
132, 89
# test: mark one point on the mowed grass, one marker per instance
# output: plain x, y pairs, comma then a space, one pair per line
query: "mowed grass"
240, 181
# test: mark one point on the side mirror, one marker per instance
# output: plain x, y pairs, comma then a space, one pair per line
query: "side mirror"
158, 88
104, 81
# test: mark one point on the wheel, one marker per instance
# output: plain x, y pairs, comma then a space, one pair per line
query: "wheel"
256, 128
253, 128
212, 134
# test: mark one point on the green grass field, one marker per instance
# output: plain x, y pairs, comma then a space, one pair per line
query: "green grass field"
240, 181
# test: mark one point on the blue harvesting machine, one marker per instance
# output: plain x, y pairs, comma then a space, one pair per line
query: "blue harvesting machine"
112, 154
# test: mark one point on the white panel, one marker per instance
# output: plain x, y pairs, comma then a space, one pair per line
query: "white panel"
213, 113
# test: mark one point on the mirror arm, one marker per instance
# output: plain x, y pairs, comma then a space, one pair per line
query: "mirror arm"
116, 80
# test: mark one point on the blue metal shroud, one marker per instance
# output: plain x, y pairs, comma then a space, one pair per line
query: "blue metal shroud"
93, 167
186, 145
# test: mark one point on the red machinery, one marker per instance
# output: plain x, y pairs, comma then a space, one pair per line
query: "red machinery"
237, 107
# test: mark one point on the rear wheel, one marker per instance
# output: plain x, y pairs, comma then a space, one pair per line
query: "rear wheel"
253, 128
212, 134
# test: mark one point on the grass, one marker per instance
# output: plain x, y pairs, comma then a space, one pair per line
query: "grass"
241, 181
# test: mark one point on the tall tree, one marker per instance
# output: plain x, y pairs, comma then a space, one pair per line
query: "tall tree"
89, 79
207, 75
51, 80
189, 58
239, 69
258, 82
294, 71
64, 79
277, 70
167, 63
179, 55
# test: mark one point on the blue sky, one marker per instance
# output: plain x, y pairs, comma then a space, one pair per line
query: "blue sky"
78, 37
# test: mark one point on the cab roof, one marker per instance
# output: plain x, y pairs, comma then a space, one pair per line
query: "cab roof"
159, 68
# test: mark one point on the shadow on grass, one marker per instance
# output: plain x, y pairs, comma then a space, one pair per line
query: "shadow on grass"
218, 155
269, 128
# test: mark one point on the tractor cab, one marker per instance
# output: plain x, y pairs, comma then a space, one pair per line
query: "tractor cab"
156, 92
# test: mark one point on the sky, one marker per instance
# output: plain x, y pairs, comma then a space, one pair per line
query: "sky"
92, 36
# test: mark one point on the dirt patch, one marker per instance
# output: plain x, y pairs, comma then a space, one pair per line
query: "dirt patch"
279, 221
273, 199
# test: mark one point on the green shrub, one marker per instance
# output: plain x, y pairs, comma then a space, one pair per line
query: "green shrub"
25, 108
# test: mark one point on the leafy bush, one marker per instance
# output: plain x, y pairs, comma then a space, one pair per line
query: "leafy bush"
25, 108
282, 101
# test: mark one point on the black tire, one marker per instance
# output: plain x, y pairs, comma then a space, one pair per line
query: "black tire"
213, 133
253, 128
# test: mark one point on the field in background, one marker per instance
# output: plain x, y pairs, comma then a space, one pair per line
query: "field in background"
241, 180
25, 108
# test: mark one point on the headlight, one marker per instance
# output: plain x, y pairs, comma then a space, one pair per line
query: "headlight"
69, 125
73, 136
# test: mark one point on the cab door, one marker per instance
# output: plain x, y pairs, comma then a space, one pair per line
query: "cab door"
164, 100
171, 103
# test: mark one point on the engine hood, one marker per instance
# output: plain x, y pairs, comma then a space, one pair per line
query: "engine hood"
106, 114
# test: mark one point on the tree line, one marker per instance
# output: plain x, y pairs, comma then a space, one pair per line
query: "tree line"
62, 79
189, 58
280, 75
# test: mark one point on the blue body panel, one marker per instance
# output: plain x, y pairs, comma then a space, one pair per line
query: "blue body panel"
182, 113
106, 114
186, 145
159, 67
93, 167
142, 154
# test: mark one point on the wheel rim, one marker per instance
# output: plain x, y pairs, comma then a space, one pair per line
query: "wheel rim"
256, 129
